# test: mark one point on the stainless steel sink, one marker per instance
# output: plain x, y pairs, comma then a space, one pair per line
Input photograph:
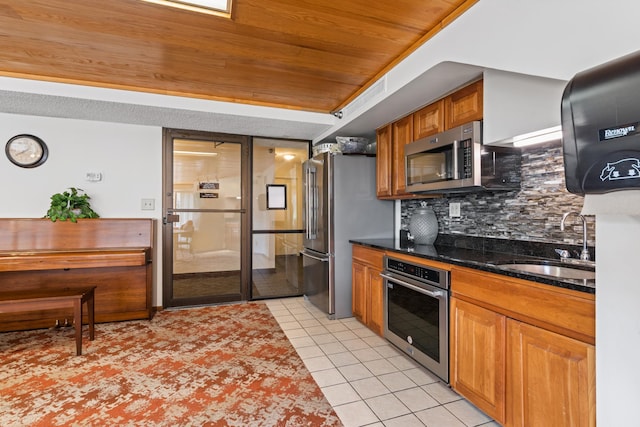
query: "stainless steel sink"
547, 269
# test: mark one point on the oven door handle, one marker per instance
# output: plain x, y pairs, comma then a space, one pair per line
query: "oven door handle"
434, 294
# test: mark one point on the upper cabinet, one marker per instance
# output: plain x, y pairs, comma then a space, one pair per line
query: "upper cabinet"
460, 107
384, 167
390, 173
401, 135
464, 106
428, 120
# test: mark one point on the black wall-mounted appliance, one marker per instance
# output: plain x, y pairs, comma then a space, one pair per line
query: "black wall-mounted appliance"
601, 127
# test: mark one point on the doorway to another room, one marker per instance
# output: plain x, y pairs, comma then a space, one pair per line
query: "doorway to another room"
205, 207
231, 202
278, 220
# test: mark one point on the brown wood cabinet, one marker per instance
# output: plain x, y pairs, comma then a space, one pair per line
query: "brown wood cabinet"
429, 120
521, 351
477, 363
367, 287
384, 162
551, 378
464, 105
460, 107
402, 134
390, 173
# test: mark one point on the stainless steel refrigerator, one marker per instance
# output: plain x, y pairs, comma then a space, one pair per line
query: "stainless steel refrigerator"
340, 204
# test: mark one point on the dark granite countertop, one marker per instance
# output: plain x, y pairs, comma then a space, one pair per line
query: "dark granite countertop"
480, 258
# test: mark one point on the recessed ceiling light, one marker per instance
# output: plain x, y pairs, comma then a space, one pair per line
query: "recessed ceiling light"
288, 157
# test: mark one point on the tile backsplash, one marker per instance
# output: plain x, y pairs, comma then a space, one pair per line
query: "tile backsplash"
532, 213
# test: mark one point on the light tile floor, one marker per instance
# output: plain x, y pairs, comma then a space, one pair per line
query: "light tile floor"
365, 378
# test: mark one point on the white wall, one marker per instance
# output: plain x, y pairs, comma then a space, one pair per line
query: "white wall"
546, 38
617, 320
129, 158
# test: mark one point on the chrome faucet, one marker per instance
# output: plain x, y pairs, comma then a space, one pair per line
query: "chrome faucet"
584, 255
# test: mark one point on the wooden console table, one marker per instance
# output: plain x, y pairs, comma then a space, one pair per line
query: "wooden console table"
49, 299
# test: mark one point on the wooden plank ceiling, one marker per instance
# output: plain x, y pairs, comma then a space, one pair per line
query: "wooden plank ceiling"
312, 55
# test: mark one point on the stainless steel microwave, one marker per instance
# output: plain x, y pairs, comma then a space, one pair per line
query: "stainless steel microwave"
456, 161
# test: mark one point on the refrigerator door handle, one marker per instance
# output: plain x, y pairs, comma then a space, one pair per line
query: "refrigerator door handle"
323, 259
312, 203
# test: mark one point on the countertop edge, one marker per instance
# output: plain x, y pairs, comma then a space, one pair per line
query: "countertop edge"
430, 253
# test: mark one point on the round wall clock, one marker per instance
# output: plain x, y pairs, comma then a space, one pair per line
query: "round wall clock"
26, 151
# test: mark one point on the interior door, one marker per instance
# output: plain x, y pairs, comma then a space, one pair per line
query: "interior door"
277, 217
205, 218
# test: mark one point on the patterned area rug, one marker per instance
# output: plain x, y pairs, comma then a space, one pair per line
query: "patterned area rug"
227, 365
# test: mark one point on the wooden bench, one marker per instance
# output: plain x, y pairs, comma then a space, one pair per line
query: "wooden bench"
49, 299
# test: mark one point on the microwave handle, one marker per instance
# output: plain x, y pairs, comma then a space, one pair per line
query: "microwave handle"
456, 147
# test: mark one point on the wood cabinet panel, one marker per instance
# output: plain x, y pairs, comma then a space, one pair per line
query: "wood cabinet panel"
567, 312
369, 256
384, 159
551, 378
376, 301
464, 105
402, 134
367, 287
359, 291
19, 261
429, 120
28, 234
478, 356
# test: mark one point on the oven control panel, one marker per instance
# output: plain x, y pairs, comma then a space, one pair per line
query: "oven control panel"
431, 275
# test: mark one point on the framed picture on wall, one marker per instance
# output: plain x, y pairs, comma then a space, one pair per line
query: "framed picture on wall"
276, 196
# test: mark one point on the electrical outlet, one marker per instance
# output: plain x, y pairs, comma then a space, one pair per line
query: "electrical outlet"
148, 204
454, 210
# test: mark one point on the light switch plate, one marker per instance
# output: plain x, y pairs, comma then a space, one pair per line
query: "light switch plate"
93, 176
454, 210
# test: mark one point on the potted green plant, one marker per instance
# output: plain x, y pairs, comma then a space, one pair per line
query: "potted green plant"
70, 205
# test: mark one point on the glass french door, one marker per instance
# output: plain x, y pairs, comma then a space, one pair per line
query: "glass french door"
205, 218
277, 217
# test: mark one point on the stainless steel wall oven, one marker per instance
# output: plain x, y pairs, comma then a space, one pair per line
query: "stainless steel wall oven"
417, 313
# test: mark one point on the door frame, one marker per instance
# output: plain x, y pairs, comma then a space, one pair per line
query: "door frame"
168, 135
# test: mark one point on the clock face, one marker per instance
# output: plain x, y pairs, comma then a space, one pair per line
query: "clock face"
26, 151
